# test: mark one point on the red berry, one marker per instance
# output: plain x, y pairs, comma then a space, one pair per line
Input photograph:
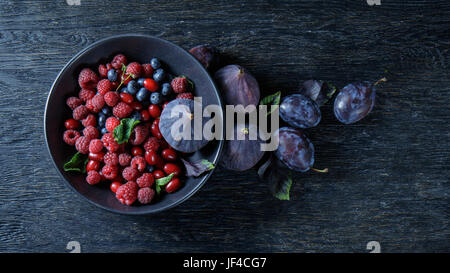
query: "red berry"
136, 105
126, 79
145, 195
95, 146
80, 112
155, 129
173, 185
145, 115
114, 186
157, 174
92, 165
146, 180
134, 69
111, 159
73, 102
110, 172
147, 70
109, 142
103, 71
104, 86
70, 136
111, 98
86, 94
130, 174
151, 85
96, 103
154, 111
138, 162
164, 104
124, 159
90, 120
111, 124
185, 95
139, 135
122, 110
152, 157
127, 193
179, 84
71, 124
93, 177
172, 168
151, 144
127, 98
137, 151
169, 154
87, 79
82, 144
96, 156
91, 132
118, 60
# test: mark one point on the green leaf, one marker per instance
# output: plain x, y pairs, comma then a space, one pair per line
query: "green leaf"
283, 188
162, 182
208, 164
77, 163
273, 99
124, 68
123, 131
278, 177
197, 168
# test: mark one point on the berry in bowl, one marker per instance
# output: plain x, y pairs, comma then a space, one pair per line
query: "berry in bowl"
108, 124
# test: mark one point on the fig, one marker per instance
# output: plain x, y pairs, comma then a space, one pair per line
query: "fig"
237, 85
206, 55
174, 123
300, 111
244, 151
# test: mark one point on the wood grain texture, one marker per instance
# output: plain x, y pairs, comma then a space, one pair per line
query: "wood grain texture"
389, 173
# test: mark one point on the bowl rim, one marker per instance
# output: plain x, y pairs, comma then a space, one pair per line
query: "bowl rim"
58, 79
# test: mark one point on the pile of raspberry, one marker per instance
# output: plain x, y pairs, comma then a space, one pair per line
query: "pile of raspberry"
131, 168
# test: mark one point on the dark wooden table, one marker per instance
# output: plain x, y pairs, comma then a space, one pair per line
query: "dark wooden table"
389, 173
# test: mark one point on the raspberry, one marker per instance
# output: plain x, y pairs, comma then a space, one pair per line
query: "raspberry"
139, 163
122, 110
73, 102
91, 132
103, 71
179, 84
110, 172
80, 112
111, 159
90, 120
96, 103
111, 123
146, 180
71, 136
109, 142
147, 70
87, 79
152, 144
145, 195
86, 94
139, 135
124, 159
118, 60
109, 66
82, 144
95, 146
185, 95
127, 193
111, 98
103, 86
93, 177
130, 174
135, 69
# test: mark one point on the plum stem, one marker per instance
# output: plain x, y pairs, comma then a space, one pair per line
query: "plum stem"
380, 80
320, 171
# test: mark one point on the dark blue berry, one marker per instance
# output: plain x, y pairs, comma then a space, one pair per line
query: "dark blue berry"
112, 75
150, 168
101, 119
142, 94
166, 89
136, 116
141, 81
106, 110
124, 90
104, 131
159, 75
155, 63
155, 98
132, 87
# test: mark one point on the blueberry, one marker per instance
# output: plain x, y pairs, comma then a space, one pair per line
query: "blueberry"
132, 87
104, 131
141, 81
155, 98
150, 168
106, 110
155, 63
101, 119
112, 75
159, 75
136, 116
142, 94
124, 90
166, 89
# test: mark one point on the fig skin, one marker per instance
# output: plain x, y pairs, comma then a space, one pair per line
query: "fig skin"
237, 85
166, 121
206, 55
241, 155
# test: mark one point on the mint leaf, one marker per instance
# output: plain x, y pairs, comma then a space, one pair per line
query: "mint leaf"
273, 99
283, 186
162, 182
123, 131
197, 168
277, 176
124, 68
77, 163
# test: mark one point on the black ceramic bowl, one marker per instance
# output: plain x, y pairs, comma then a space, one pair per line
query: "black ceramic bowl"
139, 48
